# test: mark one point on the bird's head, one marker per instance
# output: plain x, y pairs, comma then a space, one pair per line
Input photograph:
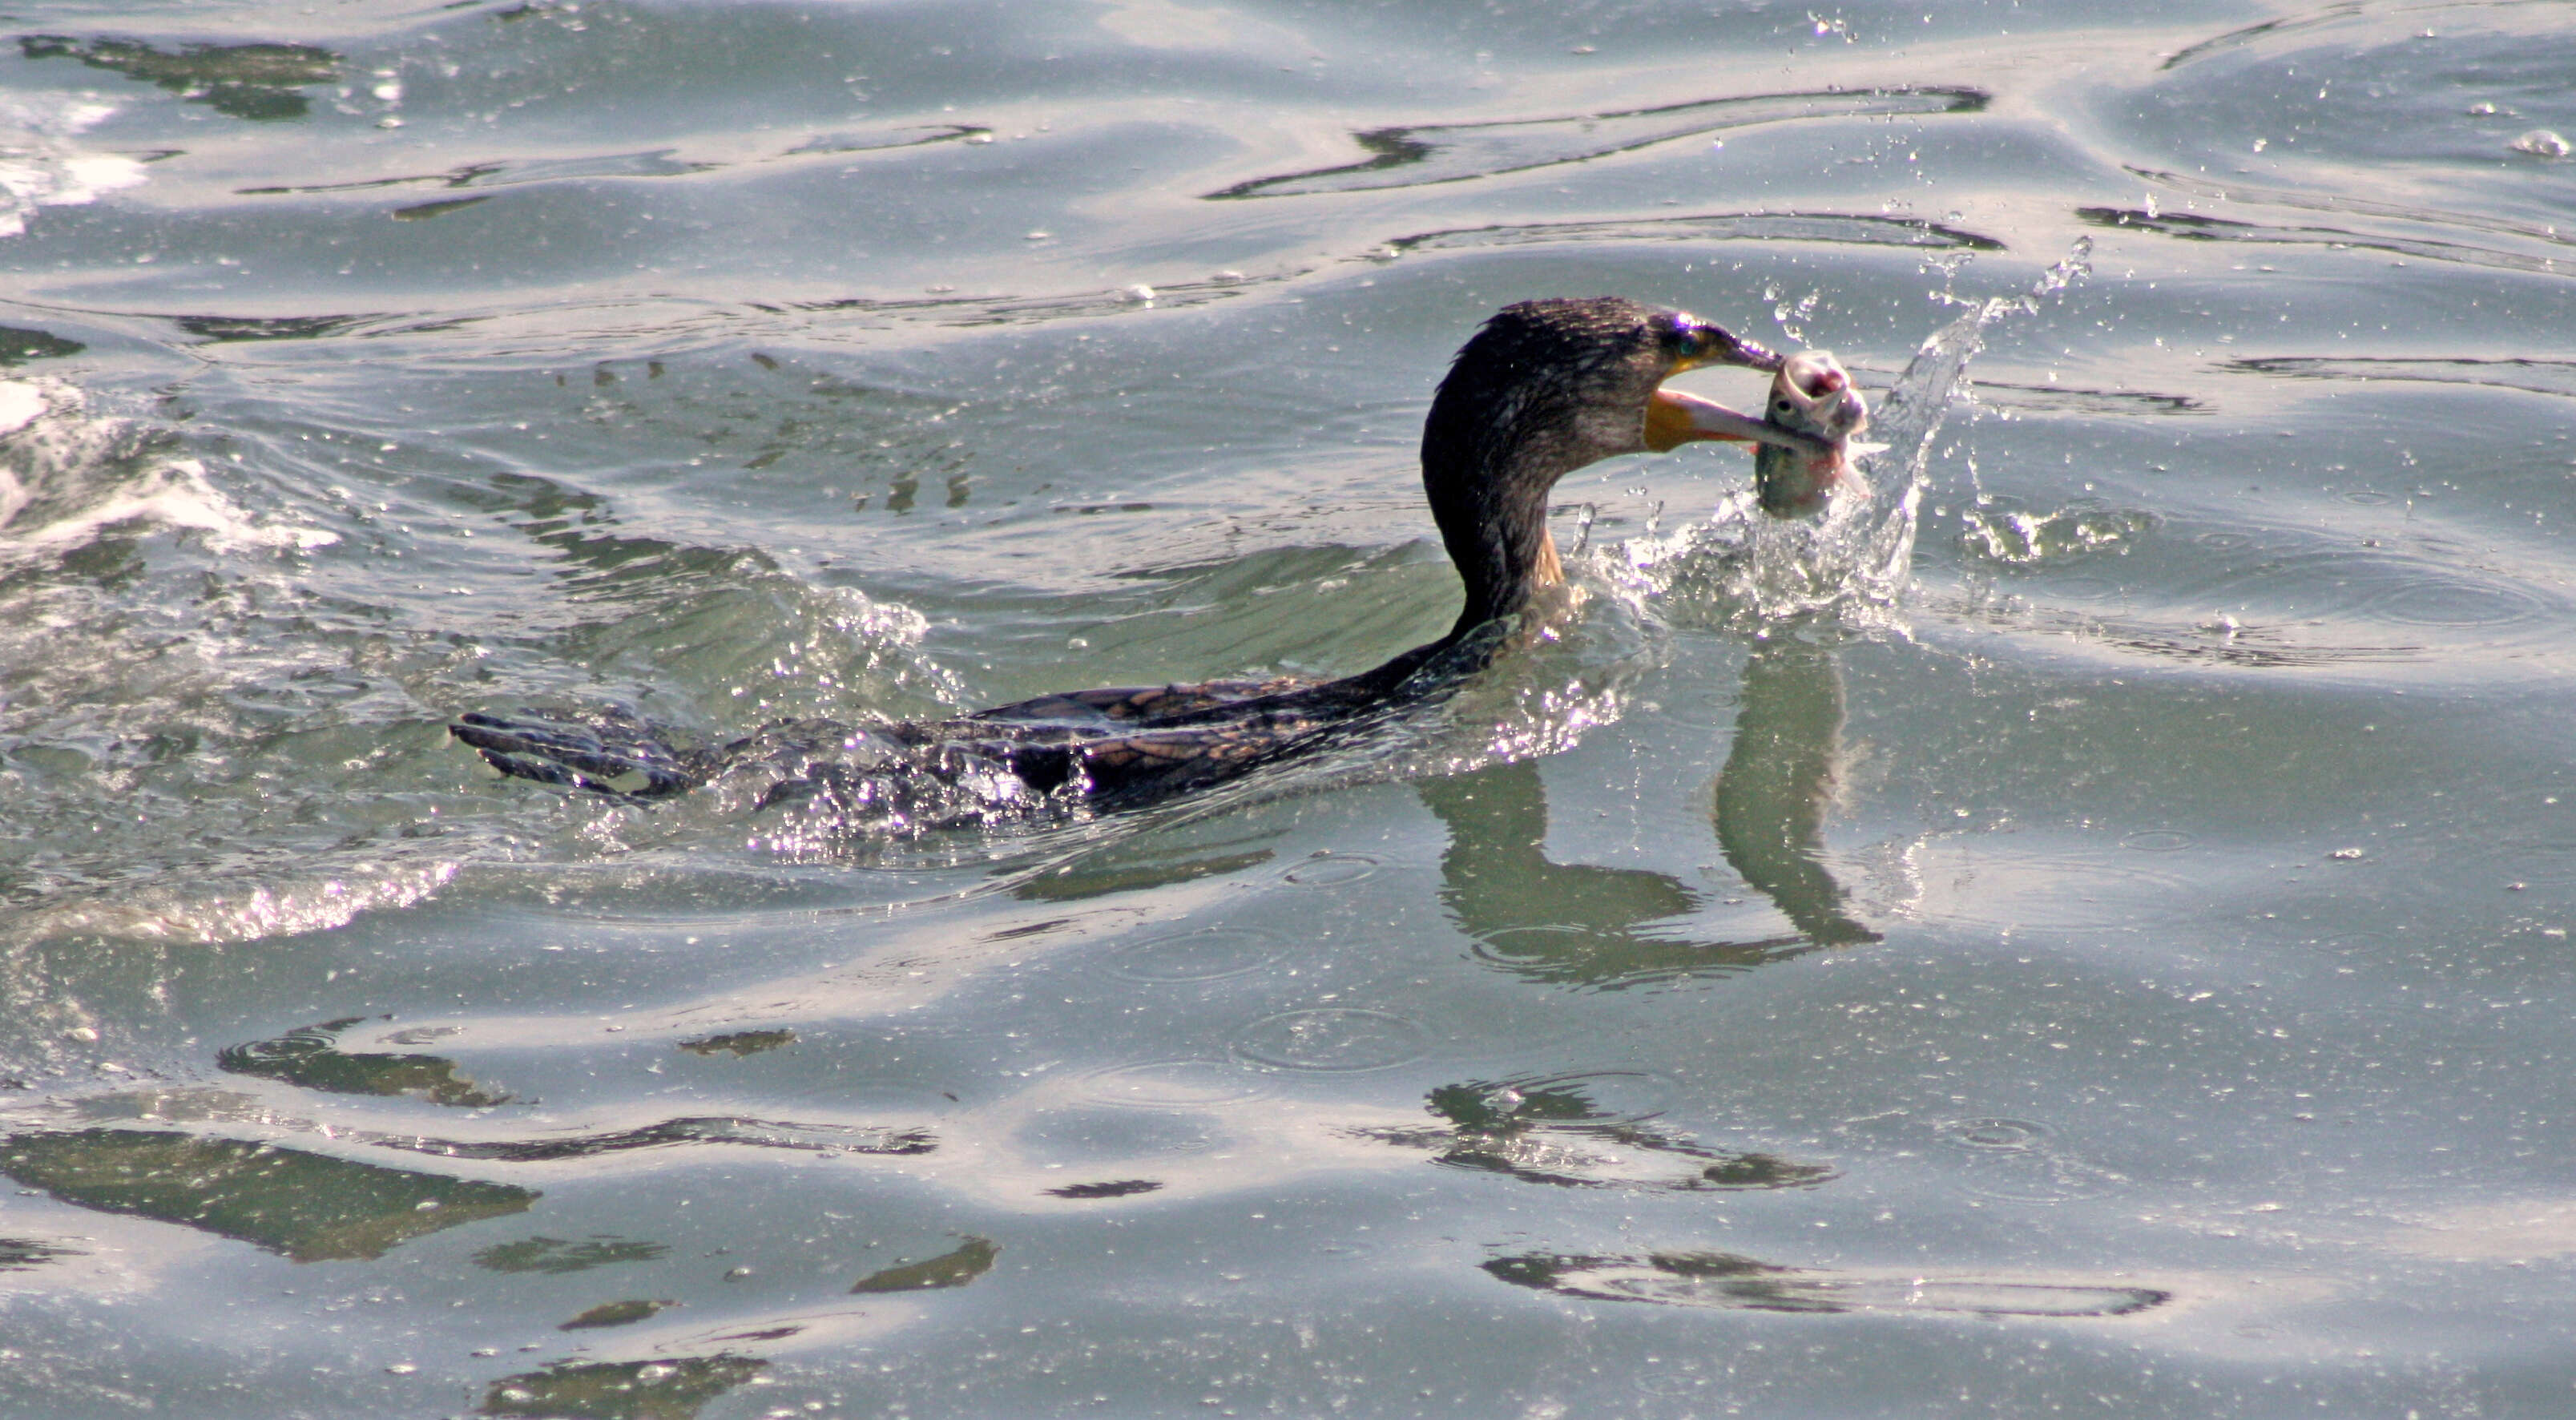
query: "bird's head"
1544, 388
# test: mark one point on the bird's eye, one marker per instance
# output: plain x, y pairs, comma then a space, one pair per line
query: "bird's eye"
1783, 405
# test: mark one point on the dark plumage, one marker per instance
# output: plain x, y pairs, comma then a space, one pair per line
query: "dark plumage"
1543, 388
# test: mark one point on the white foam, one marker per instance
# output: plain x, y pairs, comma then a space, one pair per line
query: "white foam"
41, 167
53, 449
173, 495
36, 456
20, 402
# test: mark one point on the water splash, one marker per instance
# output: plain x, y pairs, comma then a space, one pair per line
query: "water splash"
2015, 537
1745, 569
849, 799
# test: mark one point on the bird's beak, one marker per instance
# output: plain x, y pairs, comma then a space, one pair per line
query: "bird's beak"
1674, 419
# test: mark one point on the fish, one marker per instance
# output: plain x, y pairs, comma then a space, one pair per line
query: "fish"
1813, 395
1803, 442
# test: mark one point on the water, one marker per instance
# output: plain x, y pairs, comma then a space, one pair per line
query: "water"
2083, 931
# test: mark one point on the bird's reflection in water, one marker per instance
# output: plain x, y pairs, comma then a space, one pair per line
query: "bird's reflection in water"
1582, 925
1779, 778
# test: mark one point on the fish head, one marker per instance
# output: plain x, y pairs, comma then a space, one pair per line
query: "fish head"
1814, 394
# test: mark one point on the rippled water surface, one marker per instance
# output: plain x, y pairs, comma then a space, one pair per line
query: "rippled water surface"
2084, 933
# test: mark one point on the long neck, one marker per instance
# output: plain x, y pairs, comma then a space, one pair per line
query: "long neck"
1489, 496
1488, 488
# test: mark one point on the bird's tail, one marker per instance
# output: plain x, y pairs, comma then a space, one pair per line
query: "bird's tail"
610, 753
